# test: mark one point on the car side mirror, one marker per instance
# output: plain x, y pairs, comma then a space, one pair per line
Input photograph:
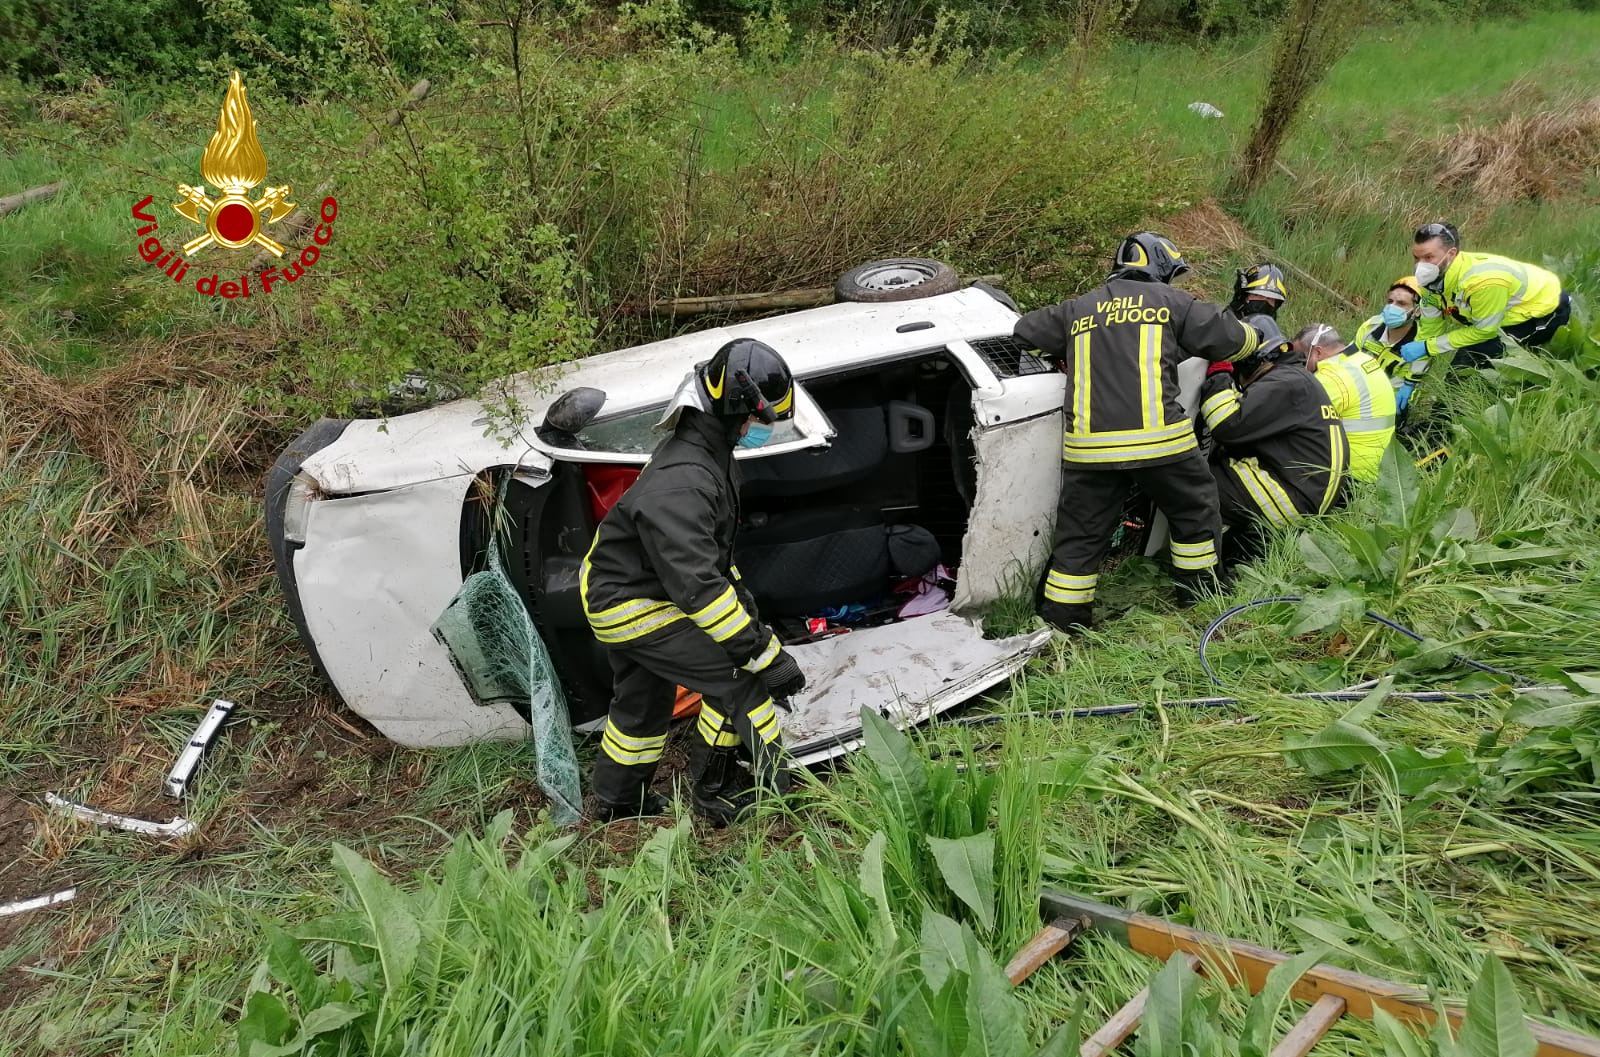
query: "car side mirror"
573, 410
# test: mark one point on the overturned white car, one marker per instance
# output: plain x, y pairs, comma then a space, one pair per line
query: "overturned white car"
915, 415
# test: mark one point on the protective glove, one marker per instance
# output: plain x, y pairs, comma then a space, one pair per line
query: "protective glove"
1412, 351
1223, 367
1402, 395
783, 676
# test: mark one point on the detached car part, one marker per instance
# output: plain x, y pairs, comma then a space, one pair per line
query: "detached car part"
189, 758
178, 827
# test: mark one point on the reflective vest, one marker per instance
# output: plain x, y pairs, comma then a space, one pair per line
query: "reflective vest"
1369, 339
1362, 394
1488, 293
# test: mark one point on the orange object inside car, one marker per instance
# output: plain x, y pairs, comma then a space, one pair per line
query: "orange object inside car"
605, 485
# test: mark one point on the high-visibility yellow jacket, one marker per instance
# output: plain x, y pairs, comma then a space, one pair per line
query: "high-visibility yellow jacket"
1487, 293
1370, 339
1364, 398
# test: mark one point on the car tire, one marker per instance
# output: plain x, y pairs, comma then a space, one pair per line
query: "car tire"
896, 279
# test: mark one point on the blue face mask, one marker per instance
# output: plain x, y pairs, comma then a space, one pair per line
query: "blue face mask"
758, 434
1394, 316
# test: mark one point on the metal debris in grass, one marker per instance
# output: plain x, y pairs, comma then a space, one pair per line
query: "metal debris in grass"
178, 827
183, 768
22, 906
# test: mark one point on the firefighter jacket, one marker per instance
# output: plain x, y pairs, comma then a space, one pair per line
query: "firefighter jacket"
1281, 435
1120, 345
1364, 398
1486, 293
663, 554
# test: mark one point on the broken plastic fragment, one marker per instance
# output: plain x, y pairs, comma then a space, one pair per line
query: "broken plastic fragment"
22, 906
178, 827
189, 758
1205, 109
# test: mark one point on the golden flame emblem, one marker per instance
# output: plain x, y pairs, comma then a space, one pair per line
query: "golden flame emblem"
233, 162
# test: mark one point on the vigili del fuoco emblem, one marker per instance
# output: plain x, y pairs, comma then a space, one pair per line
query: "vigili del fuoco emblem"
234, 164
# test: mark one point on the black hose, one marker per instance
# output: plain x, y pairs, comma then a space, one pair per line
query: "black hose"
1211, 629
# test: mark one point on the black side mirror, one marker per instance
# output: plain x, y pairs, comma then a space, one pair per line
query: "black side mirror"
571, 411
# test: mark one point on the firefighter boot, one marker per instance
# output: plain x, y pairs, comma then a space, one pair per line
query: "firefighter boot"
1071, 619
720, 794
1196, 585
649, 804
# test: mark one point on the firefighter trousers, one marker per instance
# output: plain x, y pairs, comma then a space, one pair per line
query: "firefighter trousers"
735, 708
1091, 503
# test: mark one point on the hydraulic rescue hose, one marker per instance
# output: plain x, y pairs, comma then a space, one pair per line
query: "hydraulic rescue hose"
1352, 695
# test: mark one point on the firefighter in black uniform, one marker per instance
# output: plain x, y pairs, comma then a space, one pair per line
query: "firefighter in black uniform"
660, 591
1120, 345
1280, 451
1258, 290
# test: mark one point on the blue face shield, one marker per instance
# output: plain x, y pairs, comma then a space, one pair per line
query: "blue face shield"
758, 434
1394, 316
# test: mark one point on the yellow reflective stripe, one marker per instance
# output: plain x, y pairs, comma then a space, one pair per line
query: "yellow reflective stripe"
1192, 556
718, 608
1336, 470
730, 625
1082, 375
764, 721
761, 661
1122, 437
1070, 588
1269, 496
1150, 376
637, 628
715, 728
1219, 407
626, 613
1130, 452
630, 750
1251, 342
733, 570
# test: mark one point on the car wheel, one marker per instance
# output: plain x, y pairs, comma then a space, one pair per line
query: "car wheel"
896, 279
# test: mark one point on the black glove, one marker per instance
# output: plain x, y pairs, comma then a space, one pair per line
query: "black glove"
783, 676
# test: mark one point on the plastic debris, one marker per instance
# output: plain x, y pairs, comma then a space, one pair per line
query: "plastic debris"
22, 906
178, 827
1205, 109
189, 758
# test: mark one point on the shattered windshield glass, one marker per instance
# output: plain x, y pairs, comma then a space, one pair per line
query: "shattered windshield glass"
635, 434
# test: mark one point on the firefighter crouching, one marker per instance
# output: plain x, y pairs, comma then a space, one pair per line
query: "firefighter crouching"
1279, 450
1119, 346
660, 591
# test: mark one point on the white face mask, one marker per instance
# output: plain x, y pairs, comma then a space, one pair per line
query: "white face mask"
1426, 272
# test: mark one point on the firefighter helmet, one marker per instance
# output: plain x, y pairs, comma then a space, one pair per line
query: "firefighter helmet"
1264, 281
748, 377
1145, 252
1273, 343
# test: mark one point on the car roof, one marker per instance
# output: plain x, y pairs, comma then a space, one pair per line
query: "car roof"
448, 440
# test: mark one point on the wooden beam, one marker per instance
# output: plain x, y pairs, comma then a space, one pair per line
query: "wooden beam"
1049, 942
1238, 962
1310, 1028
1122, 1023
12, 203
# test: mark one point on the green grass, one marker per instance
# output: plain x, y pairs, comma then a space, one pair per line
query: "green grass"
837, 928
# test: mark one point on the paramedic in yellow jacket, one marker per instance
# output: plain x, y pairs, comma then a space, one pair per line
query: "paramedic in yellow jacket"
1408, 315
1485, 295
1358, 390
